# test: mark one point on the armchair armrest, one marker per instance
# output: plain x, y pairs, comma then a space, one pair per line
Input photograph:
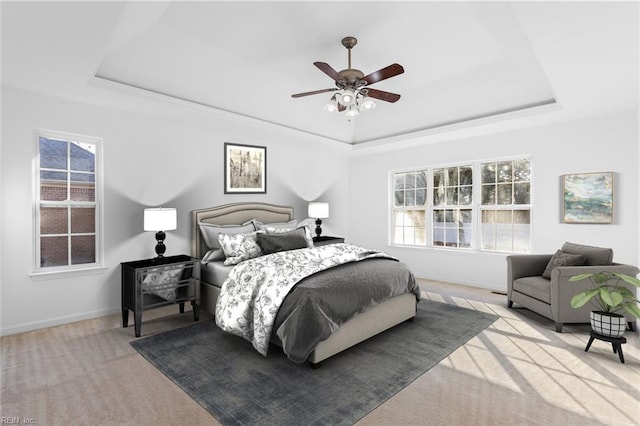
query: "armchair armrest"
526, 265
562, 290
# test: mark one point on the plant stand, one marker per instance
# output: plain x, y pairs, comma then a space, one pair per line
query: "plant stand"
616, 343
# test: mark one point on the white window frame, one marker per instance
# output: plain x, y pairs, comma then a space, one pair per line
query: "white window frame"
475, 206
97, 204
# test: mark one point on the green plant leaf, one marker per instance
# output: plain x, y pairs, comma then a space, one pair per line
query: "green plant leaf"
633, 309
610, 297
628, 279
626, 293
580, 277
600, 277
581, 299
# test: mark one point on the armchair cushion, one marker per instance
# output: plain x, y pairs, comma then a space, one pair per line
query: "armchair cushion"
536, 287
561, 258
594, 255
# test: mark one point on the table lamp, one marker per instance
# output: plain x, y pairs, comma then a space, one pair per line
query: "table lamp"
160, 219
319, 211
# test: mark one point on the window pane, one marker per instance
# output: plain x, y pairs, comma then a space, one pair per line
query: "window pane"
438, 236
466, 236
53, 154
450, 218
421, 236
522, 217
83, 220
522, 170
452, 197
410, 198
399, 197
465, 195
488, 236
83, 249
438, 196
466, 176
397, 235
438, 178
489, 173
438, 218
82, 187
453, 176
522, 193
409, 236
53, 185
399, 181
466, 216
410, 181
504, 194
505, 171
421, 180
488, 195
417, 218
83, 157
53, 220
421, 197
54, 251
399, 217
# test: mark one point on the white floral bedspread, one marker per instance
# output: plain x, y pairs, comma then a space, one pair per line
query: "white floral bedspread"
252, 294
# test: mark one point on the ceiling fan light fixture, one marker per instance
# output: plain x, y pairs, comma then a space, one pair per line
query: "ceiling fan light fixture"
347, 97
332, 105
367, 104
352, 111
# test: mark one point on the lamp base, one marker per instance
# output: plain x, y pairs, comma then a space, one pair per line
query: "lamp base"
160, 247
318, 228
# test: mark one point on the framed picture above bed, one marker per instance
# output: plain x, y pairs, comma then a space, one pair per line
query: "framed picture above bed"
245, 169
588, 198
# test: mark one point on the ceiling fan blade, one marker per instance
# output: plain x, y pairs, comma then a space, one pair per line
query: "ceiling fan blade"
382, 95
315, 92
384, 73
328, 70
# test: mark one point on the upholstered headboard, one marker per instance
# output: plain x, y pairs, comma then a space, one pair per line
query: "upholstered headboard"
234, 214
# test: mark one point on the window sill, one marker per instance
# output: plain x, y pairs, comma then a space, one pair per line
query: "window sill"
64, 273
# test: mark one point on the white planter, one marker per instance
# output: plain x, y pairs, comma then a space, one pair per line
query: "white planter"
606, 324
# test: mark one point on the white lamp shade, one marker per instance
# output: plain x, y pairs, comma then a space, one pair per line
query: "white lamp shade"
319, 210
160, 219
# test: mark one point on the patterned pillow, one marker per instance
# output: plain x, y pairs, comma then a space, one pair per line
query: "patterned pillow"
210, 234
162, 282
561, 258
286, 226
239, 247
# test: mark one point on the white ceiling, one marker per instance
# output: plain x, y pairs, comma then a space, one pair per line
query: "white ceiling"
466, 63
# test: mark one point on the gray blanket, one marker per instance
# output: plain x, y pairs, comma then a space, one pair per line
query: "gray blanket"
327, 299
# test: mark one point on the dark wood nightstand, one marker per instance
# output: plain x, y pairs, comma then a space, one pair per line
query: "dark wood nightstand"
324, 240
151, 283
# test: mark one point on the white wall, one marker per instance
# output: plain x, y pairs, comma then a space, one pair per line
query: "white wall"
599, 144
148, 161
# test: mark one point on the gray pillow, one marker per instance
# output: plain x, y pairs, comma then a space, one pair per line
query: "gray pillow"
561, 258
273, 243
276, 225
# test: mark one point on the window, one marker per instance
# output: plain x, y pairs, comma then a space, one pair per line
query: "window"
409, 208
489, 213
506, 206
452, 212
68, 192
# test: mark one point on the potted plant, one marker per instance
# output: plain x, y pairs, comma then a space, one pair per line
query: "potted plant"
610, 298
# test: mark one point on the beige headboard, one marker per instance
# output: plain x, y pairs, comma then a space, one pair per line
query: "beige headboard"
234, 214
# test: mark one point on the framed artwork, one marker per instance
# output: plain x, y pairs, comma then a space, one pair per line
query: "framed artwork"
588, 198
245, 169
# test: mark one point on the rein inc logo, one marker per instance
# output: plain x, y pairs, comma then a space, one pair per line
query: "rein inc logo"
5, 420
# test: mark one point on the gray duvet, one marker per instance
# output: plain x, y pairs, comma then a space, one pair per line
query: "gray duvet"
320, 303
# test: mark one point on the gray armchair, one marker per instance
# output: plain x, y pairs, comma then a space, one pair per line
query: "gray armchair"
551, 297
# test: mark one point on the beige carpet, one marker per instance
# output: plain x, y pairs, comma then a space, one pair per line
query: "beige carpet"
518, 371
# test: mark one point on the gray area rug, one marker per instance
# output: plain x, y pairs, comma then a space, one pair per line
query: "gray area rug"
225, 375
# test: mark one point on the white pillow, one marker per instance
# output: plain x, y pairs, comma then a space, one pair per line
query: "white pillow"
210, 234
239, 247
291, 225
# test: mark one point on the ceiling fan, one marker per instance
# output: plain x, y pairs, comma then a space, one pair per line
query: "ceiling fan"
353, 93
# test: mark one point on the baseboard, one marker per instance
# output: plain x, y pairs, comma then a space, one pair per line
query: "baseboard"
37, 325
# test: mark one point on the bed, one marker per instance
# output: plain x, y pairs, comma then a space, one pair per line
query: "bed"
377, 318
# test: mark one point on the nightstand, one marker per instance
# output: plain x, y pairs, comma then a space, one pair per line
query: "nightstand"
324, 240
151, 283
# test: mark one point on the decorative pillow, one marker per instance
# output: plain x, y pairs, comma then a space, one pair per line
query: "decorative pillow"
287, 226
292, 240
593, 255
304, 230
561, 258
239, 247
210, 234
